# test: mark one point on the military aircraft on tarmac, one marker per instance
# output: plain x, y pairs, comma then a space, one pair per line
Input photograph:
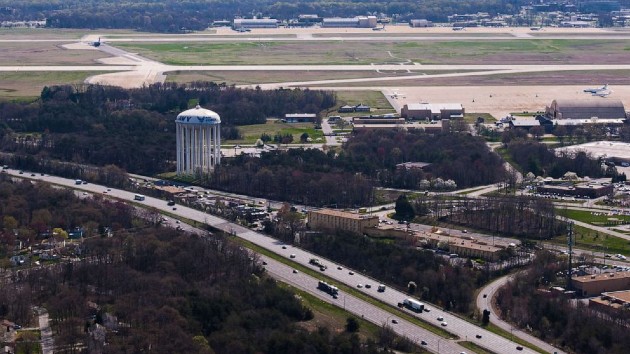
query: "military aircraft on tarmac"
595, 90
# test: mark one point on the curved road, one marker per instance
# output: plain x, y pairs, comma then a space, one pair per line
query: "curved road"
484, 301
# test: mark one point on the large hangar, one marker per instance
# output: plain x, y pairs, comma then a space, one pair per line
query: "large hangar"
586, 109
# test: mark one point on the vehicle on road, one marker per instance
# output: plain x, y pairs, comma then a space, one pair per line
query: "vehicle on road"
139, 197
444, 324
295, 271
359, 286
519, 348
413, 305
327, 288
351, 272
292, 255
440, 318
423, 342
381, 288
394, 321
170, 203
368, 286
478, 336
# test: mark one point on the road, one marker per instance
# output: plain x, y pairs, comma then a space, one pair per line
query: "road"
484, 301
46, 332
392, 297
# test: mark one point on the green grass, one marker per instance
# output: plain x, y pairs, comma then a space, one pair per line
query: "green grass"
471, 118
475, 348
588, 239
599, 218
375, 99
251, 133
349, 51
503, 333
366, 328
28, 85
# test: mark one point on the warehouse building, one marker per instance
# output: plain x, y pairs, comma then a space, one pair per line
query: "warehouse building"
592, 285
432, 111
586, 109
250, 23
611, 300
352, 22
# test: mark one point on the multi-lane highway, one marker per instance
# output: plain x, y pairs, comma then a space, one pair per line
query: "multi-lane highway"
454, 324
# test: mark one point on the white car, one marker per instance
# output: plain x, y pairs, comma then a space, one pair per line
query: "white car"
359, 286
444, 324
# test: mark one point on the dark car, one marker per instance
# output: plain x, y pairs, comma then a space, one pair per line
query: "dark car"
519, 348
170, 203
478, 336
423, 342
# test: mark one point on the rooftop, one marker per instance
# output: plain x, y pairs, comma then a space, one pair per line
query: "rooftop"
343, 214
601, 277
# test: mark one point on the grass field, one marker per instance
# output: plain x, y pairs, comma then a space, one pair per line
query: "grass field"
522, 51
251, 133
594, 218
257, 77
46, 53
30, 84
375, 99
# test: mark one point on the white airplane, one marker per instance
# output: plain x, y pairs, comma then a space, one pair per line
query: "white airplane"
458, 28
595, 90
397, 94
602, 93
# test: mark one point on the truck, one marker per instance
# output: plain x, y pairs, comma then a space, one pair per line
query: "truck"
317, 263
138, 197
381, 288
413, 305
328, 288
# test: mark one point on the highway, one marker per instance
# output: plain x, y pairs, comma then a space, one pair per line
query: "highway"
455, 325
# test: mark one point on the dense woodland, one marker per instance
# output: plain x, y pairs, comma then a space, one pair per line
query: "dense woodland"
151, 288
518, 216
538, 158
436, 279
135, 129
557, 319
347, 178
179, 16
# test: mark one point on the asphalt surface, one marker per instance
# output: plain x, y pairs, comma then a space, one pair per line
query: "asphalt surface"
455, 325
484, 301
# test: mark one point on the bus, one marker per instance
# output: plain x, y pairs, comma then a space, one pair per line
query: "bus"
139, 197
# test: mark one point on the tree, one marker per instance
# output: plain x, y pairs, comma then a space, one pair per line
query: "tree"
304, 137
411, 287
352, 325
485, 319
404, 210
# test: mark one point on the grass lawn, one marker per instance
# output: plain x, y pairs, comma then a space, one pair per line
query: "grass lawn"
594, 218
375, 99
15, 85
596, 241
471, 118
348, 51
251, 133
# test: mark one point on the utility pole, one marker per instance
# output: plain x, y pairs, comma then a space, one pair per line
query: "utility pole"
570, 244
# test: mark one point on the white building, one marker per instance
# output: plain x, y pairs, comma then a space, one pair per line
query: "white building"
198, 141
243, 23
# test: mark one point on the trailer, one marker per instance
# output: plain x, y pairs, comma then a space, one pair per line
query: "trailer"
413, 305
328, 288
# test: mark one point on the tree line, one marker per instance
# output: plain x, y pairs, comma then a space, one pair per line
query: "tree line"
134, 129
195, 15
151, 288
539, 159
